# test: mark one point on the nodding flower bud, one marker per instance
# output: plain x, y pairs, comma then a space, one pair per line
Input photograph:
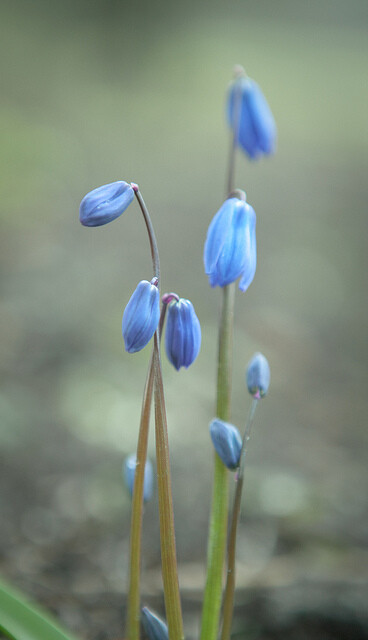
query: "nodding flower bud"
258, 376
230, 249
141, 316
183, 333
129, 467
256, 127
227, 442
104, 204
155, 628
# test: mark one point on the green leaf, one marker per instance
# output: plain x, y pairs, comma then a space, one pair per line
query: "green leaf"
21, 620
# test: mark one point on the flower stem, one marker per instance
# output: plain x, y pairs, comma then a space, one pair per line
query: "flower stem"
230, 580
167, 532
150, 230
133, 606
219, 513
239, 73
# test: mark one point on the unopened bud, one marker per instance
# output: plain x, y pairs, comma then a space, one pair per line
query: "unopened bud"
155, 628
104, 204
258, 376
130, 464
227, 442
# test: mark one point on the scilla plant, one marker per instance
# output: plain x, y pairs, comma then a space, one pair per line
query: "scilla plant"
229, 256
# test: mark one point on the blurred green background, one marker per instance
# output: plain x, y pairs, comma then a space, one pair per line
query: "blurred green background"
98, 91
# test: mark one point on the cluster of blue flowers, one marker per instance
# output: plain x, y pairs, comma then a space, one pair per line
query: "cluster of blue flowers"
142, 313
230, 254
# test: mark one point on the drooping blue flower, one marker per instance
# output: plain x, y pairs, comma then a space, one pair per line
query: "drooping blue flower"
183, 333
104, 204
258, 376
257, 129
155, 628
129, 467
141, 316
230, 249
227, 442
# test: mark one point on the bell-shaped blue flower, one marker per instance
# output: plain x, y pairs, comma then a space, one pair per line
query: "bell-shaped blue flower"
258, 376
183, 333
129, 467
257, 129
104, 204
155, 628
227, 442
230, 249
141, 316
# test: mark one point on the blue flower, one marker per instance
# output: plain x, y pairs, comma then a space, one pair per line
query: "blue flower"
104, 204
154, 627
258, 376
141, 316
183, 333
130, 464
230, 250
257, 128
227, 442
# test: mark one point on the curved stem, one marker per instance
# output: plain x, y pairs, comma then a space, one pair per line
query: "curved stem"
150, 230
133, 606
167, 531
219, 511
231, 553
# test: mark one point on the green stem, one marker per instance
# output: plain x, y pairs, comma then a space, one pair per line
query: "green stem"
167, 531
133, 605
231, 553
219, 511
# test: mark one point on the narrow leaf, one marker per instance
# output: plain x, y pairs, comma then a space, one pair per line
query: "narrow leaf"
21, 620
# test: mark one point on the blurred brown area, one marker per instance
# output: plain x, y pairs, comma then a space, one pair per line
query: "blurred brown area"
98, 91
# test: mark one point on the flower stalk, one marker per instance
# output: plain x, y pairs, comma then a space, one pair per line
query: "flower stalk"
133, 604
228, 605
166, 514
216, 551
219, 511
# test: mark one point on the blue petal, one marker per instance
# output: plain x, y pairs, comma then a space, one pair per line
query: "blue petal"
230, 248
216, 234
183, 334
154, 627
141, 316
104, 204
257, 129
249, 268
258, 375
130, 464
233, 256
262, 118
227, 442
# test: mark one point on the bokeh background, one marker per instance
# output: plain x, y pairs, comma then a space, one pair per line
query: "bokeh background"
99, 90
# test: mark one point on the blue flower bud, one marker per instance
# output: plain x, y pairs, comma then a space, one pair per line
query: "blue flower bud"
104, 204
227, 442
230, 250
257, 128
141, 316
130, 464
183, 333
258, 376
154, 627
